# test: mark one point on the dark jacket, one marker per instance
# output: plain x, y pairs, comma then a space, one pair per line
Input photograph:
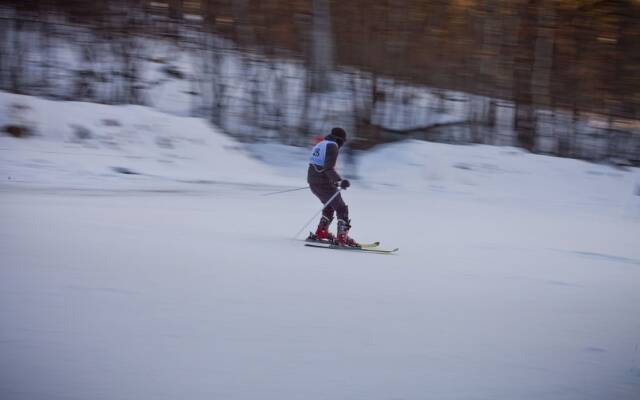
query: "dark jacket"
327, 174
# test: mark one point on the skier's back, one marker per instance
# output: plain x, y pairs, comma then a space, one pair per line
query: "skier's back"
324, 182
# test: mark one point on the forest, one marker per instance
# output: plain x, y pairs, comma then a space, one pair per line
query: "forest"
550, 76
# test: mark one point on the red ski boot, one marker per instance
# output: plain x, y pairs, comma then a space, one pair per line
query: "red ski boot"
322, 232
343, 238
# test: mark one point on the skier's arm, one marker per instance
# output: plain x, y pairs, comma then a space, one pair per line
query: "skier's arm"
330, 164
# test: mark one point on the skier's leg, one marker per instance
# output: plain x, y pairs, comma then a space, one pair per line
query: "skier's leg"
328, 213
342, 209
337, 205
344, 223
321, 192
324, 193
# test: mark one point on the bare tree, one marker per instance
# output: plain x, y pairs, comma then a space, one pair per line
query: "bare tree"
321, 46
175, 9
488, 68
525, 113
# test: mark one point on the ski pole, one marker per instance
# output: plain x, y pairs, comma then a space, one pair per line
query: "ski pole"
316, 214
285, 191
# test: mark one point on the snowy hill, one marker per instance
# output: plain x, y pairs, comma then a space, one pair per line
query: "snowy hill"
139, 261
92, 146
477, 172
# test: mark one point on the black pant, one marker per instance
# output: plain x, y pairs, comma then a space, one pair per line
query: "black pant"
337, 205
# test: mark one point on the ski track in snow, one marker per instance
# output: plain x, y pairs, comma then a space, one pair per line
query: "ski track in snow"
517, 276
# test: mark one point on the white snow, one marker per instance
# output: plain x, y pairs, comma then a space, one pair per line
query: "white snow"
86, 144
517, 276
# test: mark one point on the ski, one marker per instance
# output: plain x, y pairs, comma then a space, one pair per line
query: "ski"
372, 245
328, 242
362, 249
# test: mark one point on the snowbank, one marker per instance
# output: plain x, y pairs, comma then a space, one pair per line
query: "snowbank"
91, 145
478, 172
496, 173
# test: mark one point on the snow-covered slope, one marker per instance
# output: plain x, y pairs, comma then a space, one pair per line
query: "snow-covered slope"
475, 172
497, 173
93, 146
517, 277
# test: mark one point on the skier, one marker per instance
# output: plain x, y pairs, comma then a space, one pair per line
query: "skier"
324, 182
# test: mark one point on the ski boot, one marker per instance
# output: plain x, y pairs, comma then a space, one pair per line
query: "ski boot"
343, 238
322, 232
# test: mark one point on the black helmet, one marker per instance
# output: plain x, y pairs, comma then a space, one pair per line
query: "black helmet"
338, 135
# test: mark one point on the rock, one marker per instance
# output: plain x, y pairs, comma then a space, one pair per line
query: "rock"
17, 131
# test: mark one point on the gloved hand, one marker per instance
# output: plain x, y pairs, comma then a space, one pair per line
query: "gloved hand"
344, 184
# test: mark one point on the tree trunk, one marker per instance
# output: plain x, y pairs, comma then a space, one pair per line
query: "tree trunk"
175, 9
524, 115
321, 46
